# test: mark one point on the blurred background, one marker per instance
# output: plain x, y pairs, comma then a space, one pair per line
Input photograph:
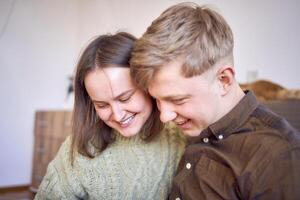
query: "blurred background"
41, 40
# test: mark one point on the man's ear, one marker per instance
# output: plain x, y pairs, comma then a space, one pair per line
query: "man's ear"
225, 76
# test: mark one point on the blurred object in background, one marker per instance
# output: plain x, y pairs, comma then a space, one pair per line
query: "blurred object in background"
282, 101
267, 90
69, 102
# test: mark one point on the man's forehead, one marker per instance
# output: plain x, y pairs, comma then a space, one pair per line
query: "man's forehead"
172, 84
167, 88
167, 73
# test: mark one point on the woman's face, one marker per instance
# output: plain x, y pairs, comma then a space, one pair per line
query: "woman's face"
117, 101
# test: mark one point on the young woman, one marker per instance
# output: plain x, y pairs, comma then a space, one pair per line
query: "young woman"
119, 149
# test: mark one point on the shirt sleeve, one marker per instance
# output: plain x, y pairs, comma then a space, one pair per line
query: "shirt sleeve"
279, 178
60, 181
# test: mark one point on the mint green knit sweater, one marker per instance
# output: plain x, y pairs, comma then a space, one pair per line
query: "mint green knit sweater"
127, 169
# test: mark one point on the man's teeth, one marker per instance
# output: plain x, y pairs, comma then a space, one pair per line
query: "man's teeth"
127, 120
182, 122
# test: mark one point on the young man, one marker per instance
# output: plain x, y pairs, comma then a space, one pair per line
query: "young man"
238, 149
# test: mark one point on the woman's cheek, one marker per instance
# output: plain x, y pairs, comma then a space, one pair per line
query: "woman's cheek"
140, 103
103, 114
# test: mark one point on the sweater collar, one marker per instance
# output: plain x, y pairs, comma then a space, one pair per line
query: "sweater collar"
132, 140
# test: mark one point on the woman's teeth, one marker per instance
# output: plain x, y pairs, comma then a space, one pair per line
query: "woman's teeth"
127, 121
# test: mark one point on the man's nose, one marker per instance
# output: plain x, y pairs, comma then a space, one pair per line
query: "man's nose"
166, 113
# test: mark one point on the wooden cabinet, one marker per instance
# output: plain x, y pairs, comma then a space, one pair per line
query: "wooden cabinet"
51, 129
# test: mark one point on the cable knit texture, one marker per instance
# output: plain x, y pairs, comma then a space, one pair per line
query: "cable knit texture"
128, 169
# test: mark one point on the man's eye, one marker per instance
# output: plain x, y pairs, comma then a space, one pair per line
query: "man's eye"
179, 101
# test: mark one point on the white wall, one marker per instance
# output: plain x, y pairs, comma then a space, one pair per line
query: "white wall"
266, 32
37, 52
40, 46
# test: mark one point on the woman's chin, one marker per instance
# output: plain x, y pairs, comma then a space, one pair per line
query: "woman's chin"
129, 131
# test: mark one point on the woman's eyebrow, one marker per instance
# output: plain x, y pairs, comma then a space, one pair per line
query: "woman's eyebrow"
117, 97
96, 101
125, 93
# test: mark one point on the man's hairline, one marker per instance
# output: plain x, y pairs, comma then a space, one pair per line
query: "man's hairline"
226, 60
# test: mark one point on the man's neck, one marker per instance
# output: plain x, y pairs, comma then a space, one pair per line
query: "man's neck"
232, 99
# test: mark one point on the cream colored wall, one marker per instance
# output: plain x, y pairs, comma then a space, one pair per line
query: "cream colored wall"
266, 32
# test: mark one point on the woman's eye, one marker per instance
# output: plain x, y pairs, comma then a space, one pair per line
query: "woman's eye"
124, 99
102, 106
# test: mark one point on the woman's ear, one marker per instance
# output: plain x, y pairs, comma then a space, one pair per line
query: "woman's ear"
225, 76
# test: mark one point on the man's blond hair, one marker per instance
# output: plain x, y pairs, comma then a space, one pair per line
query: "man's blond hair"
195, 33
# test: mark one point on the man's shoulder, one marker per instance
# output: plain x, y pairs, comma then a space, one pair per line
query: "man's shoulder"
265, 120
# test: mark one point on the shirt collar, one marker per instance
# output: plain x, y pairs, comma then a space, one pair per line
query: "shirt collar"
231, 121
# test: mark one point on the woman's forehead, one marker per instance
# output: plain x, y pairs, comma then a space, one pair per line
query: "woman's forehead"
118, 79
108, 82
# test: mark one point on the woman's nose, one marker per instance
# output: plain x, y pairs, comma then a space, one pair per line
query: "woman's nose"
117, 112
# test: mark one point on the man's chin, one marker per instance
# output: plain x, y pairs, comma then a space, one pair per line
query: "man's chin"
191, 132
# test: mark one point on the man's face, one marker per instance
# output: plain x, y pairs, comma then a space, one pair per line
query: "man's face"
192, 103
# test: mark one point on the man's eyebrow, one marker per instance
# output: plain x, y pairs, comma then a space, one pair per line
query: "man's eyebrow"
172, 97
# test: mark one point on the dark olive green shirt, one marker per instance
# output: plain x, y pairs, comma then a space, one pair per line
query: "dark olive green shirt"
251, 153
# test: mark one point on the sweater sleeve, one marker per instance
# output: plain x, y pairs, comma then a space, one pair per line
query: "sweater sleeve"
60, 181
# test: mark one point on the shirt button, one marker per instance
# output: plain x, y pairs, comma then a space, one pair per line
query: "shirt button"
220, 137
188, 165
177, 198
205, 140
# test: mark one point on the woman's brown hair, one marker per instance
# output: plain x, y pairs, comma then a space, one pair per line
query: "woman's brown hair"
87, 127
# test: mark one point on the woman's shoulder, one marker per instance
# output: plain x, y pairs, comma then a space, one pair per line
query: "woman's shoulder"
66, 144
62, 158
66, 153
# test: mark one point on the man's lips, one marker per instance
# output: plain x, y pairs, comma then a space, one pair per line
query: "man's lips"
184, 124
181, 122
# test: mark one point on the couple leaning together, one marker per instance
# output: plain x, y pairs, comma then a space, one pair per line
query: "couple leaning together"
163, 116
